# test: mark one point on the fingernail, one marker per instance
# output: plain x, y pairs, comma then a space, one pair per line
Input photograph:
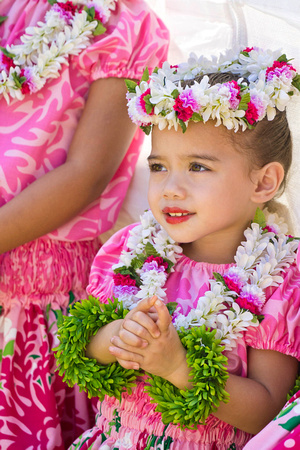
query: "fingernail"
158, 303
136, 367
144, 344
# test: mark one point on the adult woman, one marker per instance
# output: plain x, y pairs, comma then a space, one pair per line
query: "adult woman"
68, 151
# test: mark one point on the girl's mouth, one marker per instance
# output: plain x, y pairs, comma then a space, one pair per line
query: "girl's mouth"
176, 215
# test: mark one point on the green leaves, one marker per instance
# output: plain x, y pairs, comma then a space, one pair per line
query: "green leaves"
74, 333
244, 102
296, 81
185, 407
209, 374
260, 218
131, 85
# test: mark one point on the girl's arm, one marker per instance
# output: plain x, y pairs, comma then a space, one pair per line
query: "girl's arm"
255, 400
99, 144
100, 344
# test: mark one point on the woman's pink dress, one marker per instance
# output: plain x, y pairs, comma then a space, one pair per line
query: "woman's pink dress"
37, 280
133, 423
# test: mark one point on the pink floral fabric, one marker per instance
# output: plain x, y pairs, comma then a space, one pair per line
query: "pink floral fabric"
36, 133
133, 423
283, 432
37, 281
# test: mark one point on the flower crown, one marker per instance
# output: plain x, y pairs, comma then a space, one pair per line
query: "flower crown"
265, 81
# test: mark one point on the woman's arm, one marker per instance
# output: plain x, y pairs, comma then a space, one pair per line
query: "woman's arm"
100, 142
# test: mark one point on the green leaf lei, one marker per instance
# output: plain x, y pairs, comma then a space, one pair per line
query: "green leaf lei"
185, 407
74, 333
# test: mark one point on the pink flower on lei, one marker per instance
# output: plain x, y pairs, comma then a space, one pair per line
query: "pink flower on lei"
123, 280
66, 10
5, 62
159, 260
232, 284
280, 69
186, 105
249, 302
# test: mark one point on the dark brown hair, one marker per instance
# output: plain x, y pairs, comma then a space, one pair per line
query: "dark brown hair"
268, 141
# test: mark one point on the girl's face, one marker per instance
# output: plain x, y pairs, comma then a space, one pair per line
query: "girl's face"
200, 190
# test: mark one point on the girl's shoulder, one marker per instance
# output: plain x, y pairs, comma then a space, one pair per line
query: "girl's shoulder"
280, 327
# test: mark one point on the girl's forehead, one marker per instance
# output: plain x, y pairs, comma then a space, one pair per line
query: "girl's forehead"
198, 137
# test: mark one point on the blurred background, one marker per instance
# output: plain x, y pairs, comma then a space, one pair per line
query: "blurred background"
209, 27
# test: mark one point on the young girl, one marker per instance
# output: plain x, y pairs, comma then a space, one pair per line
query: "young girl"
208, 351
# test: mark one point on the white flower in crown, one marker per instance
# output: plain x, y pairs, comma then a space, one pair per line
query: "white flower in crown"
196, 66
267, 81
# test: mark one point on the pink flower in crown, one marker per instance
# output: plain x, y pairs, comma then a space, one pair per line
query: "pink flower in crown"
66, 10
142, 102
234, 92
248, 49
186, 105
5, 62
280, 69
160, 261
252, 113
123, 280
259, 105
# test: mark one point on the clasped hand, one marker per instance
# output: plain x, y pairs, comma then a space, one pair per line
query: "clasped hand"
148, 340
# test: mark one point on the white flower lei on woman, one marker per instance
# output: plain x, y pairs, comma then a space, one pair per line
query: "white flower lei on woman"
234, 301
67, 30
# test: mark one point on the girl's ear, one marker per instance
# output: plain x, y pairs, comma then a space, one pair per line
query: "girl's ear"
267, 182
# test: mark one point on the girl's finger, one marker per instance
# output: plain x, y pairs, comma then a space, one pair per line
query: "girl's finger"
125, 355
129, 344
141, 325
164, 318
129, 365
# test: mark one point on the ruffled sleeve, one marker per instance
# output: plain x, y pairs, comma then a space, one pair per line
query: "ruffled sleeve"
135, 38
101, 275
280, 328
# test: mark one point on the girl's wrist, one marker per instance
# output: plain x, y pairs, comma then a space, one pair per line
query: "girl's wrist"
180, 377
101, 341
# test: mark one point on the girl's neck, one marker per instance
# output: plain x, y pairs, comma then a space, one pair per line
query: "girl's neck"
214, 249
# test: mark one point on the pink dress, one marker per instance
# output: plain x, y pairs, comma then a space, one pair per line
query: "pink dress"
38, 280
133, 423
283, 432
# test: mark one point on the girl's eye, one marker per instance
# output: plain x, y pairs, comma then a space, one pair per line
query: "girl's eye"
156, 167
196, 167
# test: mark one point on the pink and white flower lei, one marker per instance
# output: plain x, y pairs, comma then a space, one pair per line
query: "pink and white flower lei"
67, 30
235, 299
271, 82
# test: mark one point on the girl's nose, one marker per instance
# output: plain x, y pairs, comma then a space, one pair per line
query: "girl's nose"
173, 188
